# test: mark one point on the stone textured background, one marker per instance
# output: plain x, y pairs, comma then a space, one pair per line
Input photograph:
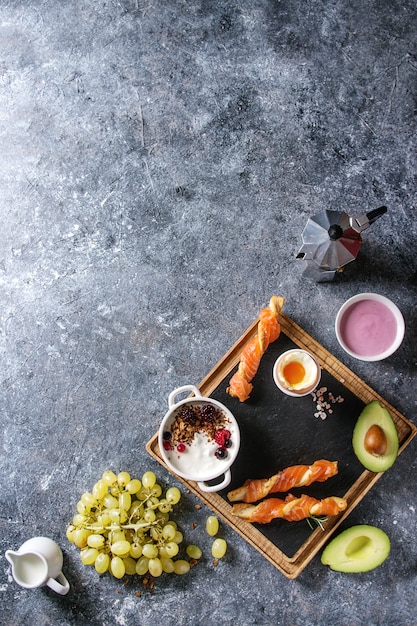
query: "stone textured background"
159, 161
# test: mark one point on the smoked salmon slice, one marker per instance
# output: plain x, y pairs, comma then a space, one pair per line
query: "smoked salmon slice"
291, 509
295, 476
268, 331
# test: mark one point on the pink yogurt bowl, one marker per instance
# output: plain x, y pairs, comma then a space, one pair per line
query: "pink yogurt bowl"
369, 327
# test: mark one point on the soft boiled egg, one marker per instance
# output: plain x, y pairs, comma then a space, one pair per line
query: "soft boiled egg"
296, 371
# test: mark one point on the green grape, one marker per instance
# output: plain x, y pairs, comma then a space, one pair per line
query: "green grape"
136, 508
172, 548
115, 490
142, 495
99, 490
152, 502
117, 567
150, 550
89, 500
181, 566
118, 516
109, 478
163, 554
120, 548
149, 516
96, 541
123, 478
194, 552
168, 532
156, 490
155, 567
178, 537
110, 502
173, 523
164, 506
125, 500
70, 533
212, 525
162, 518
148, 480
130, 565
88, 556
104, 518
133, 486
81, 508
123, 526
114, 515
78, 519
102, 563
167, 565
135, 550
116, 535
142, 565
80, 536
173, 495
218, 548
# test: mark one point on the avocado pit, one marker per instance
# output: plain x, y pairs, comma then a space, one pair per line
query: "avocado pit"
375, 441
375, 438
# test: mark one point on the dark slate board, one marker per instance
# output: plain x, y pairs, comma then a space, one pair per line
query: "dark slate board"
278, 431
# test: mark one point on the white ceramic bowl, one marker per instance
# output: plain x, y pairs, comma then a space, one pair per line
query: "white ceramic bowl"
369, 327
311, 367
198, 461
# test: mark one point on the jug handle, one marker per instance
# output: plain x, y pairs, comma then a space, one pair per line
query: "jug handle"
59, 585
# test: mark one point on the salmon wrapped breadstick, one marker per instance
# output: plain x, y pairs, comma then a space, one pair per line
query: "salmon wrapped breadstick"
269, 330
295, 476
291, 509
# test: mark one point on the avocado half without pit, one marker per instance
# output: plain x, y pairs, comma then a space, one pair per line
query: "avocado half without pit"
375, 439
357, 549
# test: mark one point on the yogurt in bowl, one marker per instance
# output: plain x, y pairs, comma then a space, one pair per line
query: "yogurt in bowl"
369, 327
199, 439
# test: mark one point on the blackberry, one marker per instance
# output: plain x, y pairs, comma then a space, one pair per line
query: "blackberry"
208, 413
188, 414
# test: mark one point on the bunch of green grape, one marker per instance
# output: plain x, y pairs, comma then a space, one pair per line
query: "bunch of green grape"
123, 526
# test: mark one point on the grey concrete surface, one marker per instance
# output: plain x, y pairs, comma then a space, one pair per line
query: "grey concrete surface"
159, 161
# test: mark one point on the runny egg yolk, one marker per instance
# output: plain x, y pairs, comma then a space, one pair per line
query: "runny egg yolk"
294, 372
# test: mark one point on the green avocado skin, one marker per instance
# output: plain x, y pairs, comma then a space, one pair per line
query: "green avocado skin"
374, 413
358, 549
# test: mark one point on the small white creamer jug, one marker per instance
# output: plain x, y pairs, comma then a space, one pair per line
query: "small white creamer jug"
37, 563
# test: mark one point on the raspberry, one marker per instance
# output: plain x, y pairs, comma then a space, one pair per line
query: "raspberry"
222, 437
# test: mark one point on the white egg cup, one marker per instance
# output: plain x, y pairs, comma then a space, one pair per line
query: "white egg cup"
293, 392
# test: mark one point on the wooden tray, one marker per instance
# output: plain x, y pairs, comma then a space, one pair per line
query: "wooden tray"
278, 431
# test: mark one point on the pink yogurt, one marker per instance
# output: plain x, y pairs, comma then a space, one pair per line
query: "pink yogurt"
368, 328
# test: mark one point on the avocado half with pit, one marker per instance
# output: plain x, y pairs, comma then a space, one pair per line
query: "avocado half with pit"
375, 439
357, 549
